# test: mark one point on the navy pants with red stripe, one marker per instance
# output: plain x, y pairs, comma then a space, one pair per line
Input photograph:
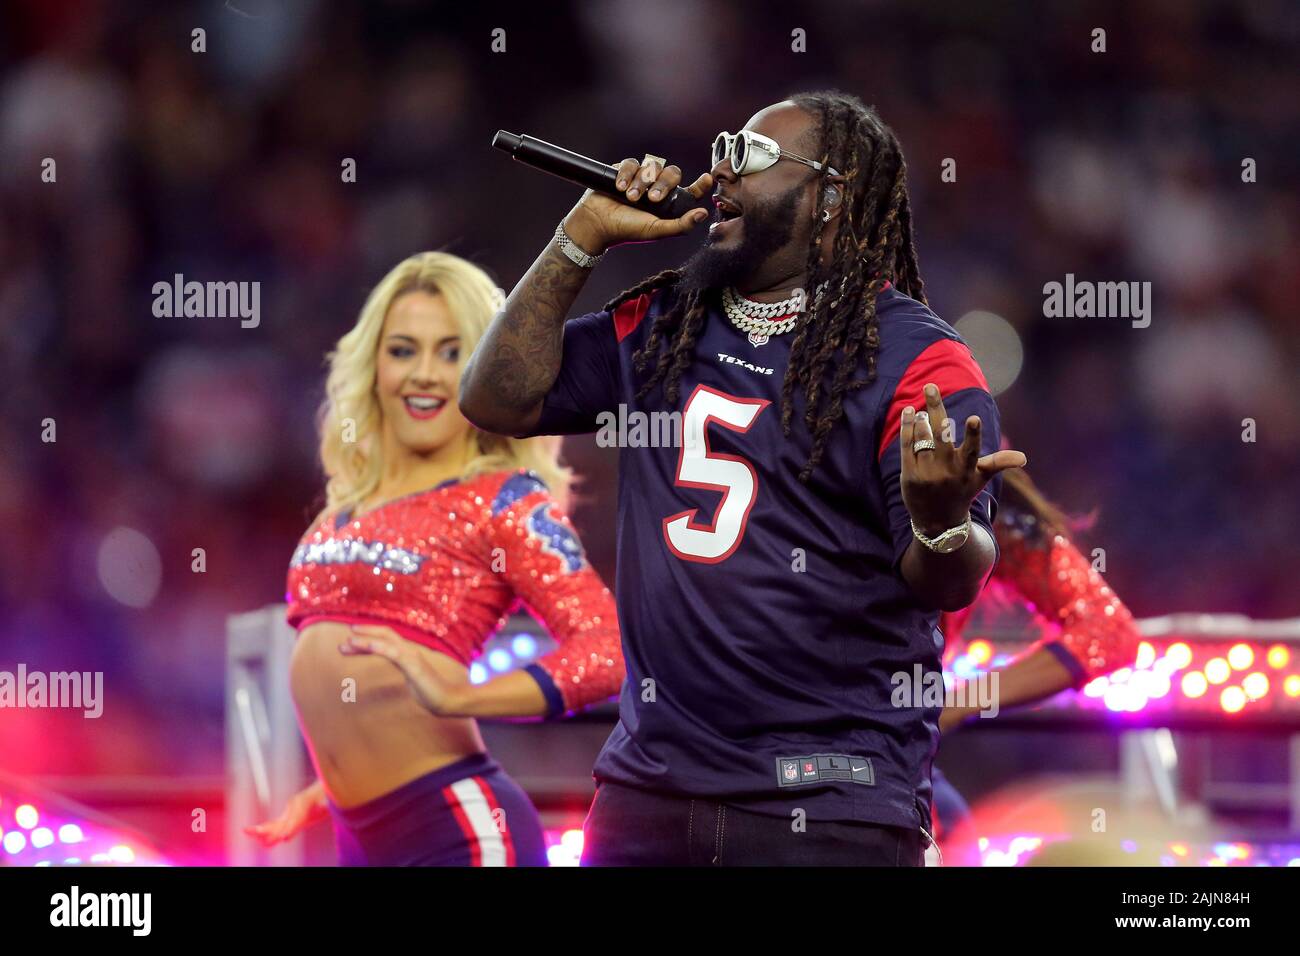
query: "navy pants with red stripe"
469, 813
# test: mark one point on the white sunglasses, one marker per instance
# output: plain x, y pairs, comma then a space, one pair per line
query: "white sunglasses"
751, 152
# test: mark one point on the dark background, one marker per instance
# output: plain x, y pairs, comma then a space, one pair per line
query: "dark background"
225, 165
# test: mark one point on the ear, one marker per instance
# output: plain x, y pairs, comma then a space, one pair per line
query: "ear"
832, 199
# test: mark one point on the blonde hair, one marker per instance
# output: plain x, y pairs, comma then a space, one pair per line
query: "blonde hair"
353, 467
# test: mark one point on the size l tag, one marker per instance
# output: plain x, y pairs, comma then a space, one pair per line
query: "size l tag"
821, 768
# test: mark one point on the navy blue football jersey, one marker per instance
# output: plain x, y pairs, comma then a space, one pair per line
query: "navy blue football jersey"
776, 658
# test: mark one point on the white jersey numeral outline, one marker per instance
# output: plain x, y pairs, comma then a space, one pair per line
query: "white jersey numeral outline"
699, 467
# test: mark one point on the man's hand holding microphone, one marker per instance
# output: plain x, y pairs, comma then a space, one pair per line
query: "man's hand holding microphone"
599, 221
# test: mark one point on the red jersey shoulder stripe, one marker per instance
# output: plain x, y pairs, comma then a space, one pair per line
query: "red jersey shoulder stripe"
949, 364
628, 315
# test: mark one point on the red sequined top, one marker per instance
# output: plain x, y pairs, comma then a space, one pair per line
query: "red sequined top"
1084, 623
445, 567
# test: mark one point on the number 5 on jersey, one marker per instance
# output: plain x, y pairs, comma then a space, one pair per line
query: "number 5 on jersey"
699, 467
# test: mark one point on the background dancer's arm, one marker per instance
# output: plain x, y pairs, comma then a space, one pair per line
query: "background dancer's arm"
1087, 630
305, 808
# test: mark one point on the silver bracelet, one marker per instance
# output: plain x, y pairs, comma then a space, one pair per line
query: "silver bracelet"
571, 249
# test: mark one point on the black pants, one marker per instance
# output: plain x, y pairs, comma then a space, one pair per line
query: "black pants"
628, 827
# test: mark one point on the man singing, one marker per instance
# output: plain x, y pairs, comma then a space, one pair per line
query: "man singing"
781, 572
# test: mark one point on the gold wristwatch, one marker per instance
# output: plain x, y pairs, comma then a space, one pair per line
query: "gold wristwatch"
949, 541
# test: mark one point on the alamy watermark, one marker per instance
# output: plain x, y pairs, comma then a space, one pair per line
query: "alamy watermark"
77, 690
209, 300
129, 910
1102, 300
630, 428
921, 688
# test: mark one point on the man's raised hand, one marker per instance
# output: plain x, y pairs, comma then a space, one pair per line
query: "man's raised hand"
939, 483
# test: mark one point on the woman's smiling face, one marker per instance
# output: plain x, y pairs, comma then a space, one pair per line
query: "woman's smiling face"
417, 374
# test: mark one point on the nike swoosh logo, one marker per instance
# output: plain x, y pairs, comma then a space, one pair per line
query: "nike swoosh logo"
856, 769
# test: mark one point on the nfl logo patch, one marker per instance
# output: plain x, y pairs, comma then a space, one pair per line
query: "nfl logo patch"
789, 770
758, 338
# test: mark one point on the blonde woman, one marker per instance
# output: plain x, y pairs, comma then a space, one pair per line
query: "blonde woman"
432, 532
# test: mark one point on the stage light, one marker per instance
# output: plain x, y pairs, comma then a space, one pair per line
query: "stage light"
1022, 846
1232, 699
557, 855
1180, 654
1291, 686
1194, 684
26, 816
121, 854
1145, 686
70, 833
1278, 657
72, 861
979, 651
1217, 671
1255, 685
524, 646
477, 673
1232, 851
14, 842
42, 837
1096, 687
1178, 849
499, 659
567, 850
1240, 656
1146, 655
1125, 697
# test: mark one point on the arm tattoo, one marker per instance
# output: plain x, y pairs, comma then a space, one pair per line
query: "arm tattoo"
518, 359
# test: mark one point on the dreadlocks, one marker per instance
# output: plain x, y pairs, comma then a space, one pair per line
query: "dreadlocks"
872, 246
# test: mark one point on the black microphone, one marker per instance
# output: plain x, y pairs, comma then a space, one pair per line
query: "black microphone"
588, 173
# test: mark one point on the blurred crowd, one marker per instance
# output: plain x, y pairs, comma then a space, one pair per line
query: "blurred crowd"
176, 434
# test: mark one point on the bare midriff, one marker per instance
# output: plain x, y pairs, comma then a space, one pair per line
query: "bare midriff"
371, 736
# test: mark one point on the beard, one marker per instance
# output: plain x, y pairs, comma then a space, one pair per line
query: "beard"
768, 228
